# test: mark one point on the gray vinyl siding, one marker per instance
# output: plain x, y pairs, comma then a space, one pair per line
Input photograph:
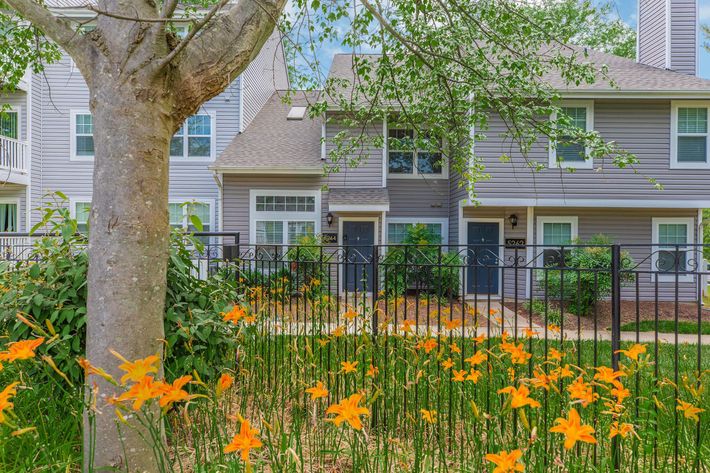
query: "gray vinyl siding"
418, 198
640, 127
266, 74
457, 192
629, 227
62, 89
18, 193
652, 33
363, 166
18, 102
235, 198
684, 36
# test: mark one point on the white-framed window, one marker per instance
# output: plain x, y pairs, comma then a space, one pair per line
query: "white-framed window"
8, 216
195, 140
282, 217
567, 153
81, 135
81, 210
554, 233
10, 123
406, 161
690, 147
673, 238
181, 213
397, 228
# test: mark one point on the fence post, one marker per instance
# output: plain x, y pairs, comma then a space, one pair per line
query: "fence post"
375, 289
615, 332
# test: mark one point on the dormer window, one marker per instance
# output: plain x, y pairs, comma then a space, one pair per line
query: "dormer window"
405, 159
689, 135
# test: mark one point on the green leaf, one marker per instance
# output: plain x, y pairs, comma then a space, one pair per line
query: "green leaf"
196, 222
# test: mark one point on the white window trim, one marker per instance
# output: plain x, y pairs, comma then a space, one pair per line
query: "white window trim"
16, 202
573, 220
415, 171
213, 142
552, 155
273, 216
689, 250
197, 200
443, 221
675, 105
72, 135
18, 110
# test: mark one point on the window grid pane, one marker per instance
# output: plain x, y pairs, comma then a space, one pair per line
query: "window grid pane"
281, 203
397, 232
557, 233
692, 149
8, 124
298, 230
577, 116
176, 215
270, 233
692, 120
672, 234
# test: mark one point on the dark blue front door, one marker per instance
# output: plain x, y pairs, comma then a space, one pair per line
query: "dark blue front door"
358, 241
483, 262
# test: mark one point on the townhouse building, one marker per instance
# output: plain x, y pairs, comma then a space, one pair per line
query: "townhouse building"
275, 191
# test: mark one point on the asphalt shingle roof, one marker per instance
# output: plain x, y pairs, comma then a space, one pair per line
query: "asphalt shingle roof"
271, 141
358, 196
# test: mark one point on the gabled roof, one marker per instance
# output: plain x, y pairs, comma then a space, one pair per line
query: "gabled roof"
628, 76
273, 143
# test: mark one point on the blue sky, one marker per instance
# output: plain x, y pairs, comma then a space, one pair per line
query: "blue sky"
625, 9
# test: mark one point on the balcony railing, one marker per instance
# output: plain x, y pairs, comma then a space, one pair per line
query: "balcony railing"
13, 154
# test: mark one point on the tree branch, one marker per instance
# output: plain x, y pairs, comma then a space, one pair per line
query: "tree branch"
58, 29
168, 8
228, 43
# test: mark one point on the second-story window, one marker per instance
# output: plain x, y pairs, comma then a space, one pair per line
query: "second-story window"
82, 135
689, 140
194, 139
567, 152
405, 158
9, 124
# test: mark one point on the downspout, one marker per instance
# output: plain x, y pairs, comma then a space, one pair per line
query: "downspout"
218, 180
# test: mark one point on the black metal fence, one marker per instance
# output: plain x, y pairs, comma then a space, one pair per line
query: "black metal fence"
585, 301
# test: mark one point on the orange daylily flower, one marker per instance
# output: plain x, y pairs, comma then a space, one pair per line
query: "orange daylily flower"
555, 354
338, 331
493, 311
553, 328
518, 355
348, 411
582, 391
454, 348
137, 370
406, 326
476, 359
5, 404
452, 324
317, 391
607, 375
428, 416
372, 371
473, 375
224, 383
479, 339
145, 390
234, 315
348, 367
90, 369
620, 392
530, 333
543, 380
447, 364
350, 314
689, 411
573, 429
428, 345
171, 393
634, 351
459, 375
519, 397
623, 430
506, 462
21, 350
563, 372
244, 441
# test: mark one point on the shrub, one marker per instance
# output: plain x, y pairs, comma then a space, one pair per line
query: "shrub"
422, 265
50, 290
581, 290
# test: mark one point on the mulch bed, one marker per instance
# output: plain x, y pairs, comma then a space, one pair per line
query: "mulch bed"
687, 311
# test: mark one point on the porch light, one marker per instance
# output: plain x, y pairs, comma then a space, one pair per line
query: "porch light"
329, 218
513, 219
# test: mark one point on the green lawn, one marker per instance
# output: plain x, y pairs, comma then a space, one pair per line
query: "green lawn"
667, 326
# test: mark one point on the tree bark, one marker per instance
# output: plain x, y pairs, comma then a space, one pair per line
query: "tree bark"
128, 253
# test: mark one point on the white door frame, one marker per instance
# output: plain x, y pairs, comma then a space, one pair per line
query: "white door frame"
501, 245
341, 220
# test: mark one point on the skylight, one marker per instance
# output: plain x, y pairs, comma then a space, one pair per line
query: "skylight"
296, 113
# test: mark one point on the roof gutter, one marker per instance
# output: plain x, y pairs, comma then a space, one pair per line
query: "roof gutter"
309, 171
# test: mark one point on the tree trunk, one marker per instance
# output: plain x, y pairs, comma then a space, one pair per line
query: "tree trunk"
128, 254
